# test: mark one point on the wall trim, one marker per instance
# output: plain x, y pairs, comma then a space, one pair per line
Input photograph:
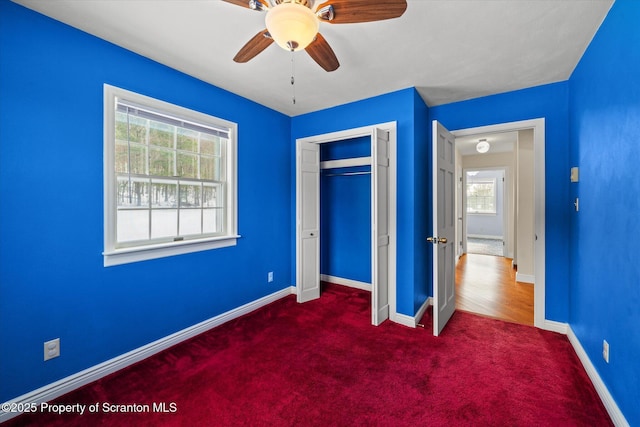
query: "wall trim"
413, 321
525, 278
553, 326
612, 408
77, 380
346, 282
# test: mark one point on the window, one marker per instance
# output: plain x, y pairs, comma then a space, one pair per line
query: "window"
169, 179
481, 195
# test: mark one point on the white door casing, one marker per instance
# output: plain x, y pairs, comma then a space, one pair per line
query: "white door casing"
308, 221
444, 227
538, 126
379, 226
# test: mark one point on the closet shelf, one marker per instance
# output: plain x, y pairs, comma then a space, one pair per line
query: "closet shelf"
347, 173
346, 163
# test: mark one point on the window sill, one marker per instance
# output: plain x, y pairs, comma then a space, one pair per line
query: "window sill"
130, 255
482, 213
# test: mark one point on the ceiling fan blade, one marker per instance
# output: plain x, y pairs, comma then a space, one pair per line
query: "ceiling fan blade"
247, 3
257, 44
322, 53
353, 11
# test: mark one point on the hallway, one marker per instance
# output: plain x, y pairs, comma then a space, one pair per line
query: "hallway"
486, 285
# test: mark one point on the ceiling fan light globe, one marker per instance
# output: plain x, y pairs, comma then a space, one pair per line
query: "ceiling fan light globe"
292, 26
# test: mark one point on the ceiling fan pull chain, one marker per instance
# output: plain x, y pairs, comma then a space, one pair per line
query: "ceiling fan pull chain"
293, 80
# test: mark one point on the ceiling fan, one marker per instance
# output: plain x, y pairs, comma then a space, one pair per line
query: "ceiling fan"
294, 24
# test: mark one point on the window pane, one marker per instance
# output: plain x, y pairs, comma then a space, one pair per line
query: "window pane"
187, 165
132, 193
209, 144
207, 168
133, 131
187, 140
138, 160
161, 134
212, 196
219, 172
133, 225
161, 162
122, 157
190, 221
164, 223
213, 221
121, 126
164, 194
130, 154
481, 196
190, 195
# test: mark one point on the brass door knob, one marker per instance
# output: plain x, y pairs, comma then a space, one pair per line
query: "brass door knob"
436, 240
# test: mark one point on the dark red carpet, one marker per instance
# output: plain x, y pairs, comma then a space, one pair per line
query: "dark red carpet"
323, 364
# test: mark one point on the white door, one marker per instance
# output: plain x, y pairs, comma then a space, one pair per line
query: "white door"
444, 226
308, 221
379, 226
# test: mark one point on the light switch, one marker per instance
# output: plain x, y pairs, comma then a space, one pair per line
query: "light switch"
574, 174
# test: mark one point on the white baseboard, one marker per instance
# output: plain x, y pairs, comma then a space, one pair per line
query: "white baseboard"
485, 236
412, 321
75, 381
553, 326
612, 408
525, 278
405, 320
346, 282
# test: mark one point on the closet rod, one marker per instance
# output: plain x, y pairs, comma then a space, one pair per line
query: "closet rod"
347, 173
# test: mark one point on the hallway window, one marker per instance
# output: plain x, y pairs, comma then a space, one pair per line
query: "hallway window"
481, 195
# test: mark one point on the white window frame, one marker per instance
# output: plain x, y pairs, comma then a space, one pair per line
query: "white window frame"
114, 255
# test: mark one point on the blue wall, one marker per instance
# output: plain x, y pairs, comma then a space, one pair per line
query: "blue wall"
345, 213
52, 279
605, 144
552, 103
403, 107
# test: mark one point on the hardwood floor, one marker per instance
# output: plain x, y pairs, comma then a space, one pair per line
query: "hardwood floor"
486, 285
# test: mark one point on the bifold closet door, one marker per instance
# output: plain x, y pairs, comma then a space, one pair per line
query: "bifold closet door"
308, 224
380, 226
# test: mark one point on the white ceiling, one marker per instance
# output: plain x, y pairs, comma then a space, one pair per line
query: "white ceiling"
449, 50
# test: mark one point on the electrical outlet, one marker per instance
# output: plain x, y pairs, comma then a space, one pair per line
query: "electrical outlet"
605, 350
51, 349
270, 277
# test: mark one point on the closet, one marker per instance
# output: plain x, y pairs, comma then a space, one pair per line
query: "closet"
345, 212
358, 200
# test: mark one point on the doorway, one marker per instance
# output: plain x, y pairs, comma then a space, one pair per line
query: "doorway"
485, 211
534, 155
382, 163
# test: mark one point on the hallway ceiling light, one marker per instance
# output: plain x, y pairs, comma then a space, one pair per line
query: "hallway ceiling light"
482, 146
